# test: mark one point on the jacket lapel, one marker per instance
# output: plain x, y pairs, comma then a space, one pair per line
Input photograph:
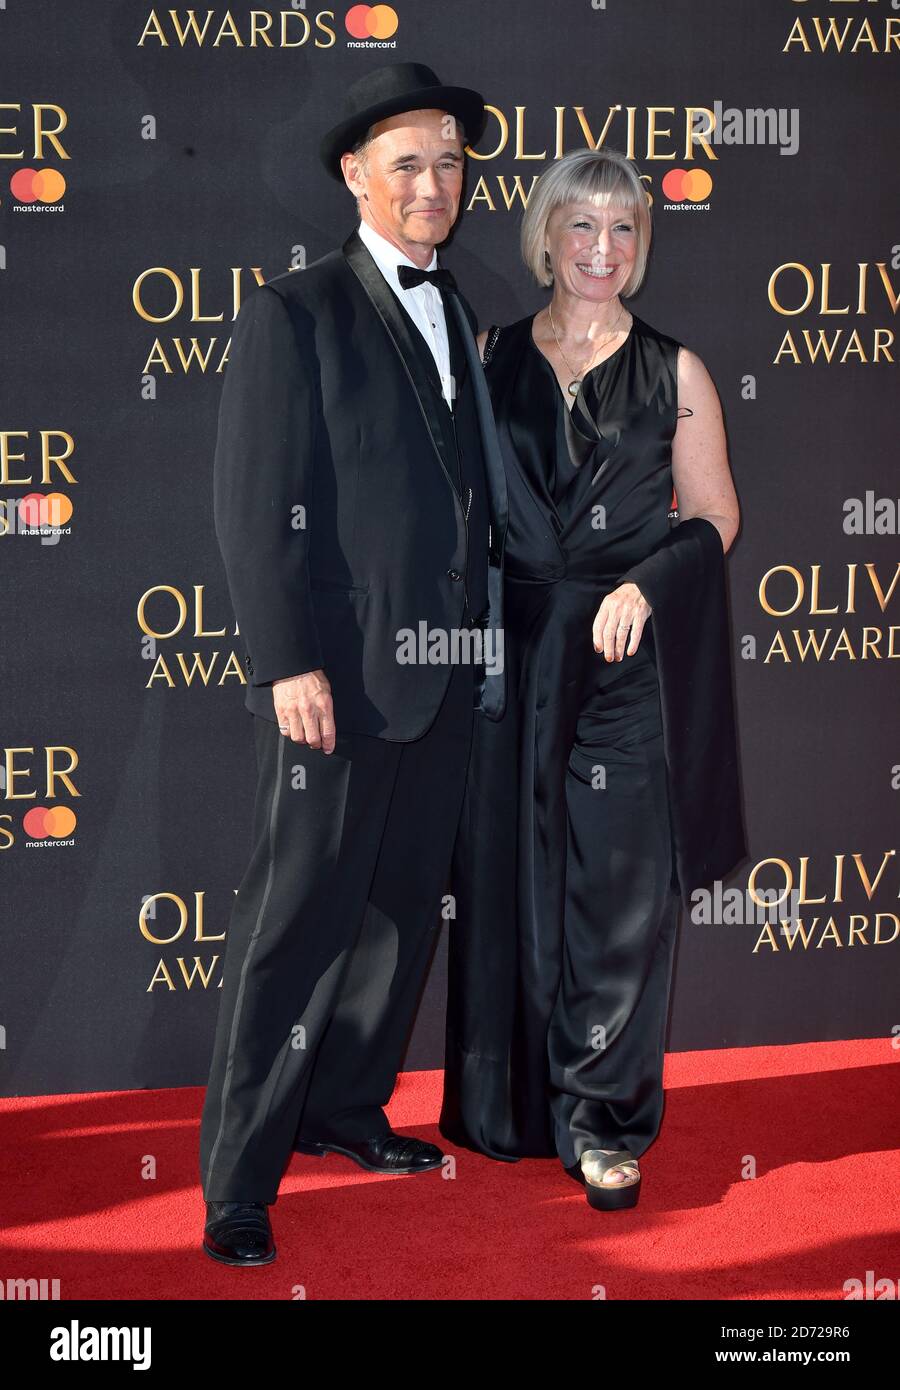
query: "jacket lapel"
459, 364
413, 352
411, 347
492, 695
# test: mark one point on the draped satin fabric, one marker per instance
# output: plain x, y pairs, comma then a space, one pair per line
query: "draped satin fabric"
566, 869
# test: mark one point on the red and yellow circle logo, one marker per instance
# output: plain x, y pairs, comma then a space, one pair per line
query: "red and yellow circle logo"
37, 185
45, 509
55, 822
687, 185
371, 22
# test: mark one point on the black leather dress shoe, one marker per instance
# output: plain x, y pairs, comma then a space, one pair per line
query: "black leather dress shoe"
238, 1233
387, 1153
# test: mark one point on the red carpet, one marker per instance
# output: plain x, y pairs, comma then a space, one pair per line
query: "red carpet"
821, 1121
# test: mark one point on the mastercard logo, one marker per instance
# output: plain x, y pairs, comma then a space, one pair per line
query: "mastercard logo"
687, 185
37, 185
45, 509
55, 823
371, 22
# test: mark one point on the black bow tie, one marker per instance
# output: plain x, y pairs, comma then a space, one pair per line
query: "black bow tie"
410, 275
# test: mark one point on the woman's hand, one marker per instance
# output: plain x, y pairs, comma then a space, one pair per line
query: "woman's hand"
622, 612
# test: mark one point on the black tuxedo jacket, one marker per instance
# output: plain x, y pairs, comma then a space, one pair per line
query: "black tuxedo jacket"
335, 509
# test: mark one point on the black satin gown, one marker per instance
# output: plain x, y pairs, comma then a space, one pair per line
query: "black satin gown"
566, 896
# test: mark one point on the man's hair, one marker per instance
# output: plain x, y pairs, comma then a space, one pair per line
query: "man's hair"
361, 148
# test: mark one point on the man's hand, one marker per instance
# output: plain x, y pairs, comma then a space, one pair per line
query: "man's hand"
303, 706
620, 619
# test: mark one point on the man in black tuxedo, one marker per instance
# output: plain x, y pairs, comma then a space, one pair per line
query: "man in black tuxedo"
359, 498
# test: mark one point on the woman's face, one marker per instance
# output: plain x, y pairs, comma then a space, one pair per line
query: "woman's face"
592, 249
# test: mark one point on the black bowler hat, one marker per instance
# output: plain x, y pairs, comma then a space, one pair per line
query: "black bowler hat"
389, 91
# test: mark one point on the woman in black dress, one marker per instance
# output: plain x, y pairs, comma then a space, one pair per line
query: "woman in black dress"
610, 785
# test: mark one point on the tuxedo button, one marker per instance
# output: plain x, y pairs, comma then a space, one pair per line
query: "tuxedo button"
249, 665
454, 575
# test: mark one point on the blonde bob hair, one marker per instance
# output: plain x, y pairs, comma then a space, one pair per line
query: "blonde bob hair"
604, 177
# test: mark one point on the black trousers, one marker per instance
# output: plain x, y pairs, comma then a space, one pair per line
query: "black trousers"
330, 938
562, 952
607, 1031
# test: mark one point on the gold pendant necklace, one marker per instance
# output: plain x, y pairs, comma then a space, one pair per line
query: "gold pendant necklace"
575, 385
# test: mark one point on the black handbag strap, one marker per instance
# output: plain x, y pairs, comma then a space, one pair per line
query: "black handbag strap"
490, 343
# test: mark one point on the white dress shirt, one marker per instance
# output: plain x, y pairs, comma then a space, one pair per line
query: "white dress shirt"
422, 302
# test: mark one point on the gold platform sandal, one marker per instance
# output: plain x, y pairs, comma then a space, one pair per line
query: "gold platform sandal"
607, 1196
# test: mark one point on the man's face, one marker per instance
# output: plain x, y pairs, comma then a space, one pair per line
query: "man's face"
413, 178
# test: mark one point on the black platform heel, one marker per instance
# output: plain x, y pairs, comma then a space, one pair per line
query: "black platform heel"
604, 1196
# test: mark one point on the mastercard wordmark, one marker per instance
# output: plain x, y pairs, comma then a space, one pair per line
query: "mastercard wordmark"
371, 21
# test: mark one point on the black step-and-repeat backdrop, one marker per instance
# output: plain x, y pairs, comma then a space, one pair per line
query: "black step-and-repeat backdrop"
157, 162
